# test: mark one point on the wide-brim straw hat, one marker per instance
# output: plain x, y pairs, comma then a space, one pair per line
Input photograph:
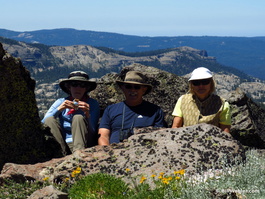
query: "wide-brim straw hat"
135, 77
201, 73
77, 76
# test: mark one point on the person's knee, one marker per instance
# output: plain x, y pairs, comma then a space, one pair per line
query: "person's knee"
78, 117
49, 120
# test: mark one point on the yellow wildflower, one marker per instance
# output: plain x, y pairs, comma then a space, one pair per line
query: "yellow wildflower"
165, 181
73, 174
127, 170
142, 179
161, 175
169, 178
76, 171
45, 179
153, 176
180, 172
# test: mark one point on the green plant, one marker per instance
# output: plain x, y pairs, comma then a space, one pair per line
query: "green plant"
244, 180
99, 185
18, 190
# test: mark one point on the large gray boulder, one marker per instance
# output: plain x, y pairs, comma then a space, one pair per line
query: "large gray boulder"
193, 148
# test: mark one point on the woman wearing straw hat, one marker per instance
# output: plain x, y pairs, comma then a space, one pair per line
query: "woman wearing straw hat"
119, 119
200, 104
78, 114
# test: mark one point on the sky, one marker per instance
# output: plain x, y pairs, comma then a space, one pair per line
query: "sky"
138, 17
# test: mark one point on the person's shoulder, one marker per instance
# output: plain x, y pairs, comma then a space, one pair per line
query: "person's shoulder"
117, 105
187, 96
61, 99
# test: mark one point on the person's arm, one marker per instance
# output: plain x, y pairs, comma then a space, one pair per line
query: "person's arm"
104, 136
225, 118
54, 109
225, 128
177, 113
177, 122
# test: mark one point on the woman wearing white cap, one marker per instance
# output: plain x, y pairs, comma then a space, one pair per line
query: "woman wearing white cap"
200, 104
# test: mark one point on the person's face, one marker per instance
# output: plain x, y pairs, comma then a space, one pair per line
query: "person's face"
77, 89
133, 93
201, 88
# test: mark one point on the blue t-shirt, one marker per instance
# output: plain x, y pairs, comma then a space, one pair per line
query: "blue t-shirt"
144, 115
66, 119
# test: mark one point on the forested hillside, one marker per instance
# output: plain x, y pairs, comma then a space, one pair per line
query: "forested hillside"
244, 53
47, 64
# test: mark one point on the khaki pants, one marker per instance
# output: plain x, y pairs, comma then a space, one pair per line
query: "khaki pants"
80, 133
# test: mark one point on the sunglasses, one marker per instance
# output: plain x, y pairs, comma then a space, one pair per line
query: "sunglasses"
132, 86
201, 82
78, 84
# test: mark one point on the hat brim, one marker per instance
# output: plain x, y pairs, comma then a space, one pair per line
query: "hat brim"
198, 78
91, 84
149, 86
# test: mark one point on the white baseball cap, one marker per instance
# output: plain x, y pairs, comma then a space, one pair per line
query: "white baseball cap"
201, 73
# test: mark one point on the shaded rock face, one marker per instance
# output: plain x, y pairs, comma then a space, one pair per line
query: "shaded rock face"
247, 120
21, 135
166, 150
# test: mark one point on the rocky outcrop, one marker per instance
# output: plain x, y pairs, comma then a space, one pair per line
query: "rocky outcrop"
247, 120
247, 117
48, 193
193, 148
22, 138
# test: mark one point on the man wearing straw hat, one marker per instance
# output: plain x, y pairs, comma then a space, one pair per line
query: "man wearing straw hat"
119, 119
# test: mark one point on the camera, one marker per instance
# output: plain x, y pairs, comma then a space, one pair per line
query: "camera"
125, 134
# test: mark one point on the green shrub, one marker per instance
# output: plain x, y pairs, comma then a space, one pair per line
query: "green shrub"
99, 185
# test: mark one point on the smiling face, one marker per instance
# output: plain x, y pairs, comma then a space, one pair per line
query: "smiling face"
133, 93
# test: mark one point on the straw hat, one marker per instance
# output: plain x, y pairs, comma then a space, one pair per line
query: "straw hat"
135, 77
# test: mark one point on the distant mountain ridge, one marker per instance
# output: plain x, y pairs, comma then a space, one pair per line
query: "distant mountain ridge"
47, 64
244, 53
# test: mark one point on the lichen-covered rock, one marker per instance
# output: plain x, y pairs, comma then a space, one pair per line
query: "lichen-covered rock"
247, 120
166, 150
21, 135
49, 192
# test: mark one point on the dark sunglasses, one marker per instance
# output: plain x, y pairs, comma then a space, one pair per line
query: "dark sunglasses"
78, 84
202, 81
132, 86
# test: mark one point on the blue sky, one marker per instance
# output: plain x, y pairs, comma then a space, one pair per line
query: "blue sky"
138, 17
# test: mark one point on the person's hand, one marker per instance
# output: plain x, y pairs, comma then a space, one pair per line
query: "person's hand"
84, 107
66, 104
